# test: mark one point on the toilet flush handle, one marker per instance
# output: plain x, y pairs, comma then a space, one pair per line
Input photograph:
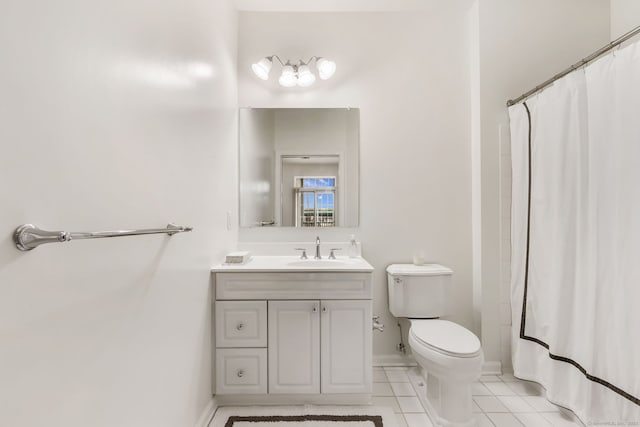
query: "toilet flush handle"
397, 280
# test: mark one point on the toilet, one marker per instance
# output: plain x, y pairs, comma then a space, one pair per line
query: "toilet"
449, 356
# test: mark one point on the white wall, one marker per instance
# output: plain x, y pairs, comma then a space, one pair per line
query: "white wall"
521, 44
625, 16
413, 96
113, 115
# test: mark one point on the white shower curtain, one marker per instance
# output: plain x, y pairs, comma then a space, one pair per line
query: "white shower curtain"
575, 237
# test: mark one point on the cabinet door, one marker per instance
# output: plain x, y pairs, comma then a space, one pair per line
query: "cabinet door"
346, 346
294, 347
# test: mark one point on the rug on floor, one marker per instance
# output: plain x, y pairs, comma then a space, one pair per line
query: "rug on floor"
304, 416
306, 421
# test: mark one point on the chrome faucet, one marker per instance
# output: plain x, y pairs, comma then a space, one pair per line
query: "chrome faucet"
318, 256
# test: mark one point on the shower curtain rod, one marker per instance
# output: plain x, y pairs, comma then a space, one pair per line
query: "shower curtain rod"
581, 63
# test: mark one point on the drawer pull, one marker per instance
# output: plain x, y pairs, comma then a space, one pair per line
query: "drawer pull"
240, 373
240, 326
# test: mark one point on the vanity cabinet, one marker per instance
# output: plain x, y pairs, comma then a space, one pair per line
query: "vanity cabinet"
313, 331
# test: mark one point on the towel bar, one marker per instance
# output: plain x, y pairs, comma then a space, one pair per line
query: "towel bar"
29, 236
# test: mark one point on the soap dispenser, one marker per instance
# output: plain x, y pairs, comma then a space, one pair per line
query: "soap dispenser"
353, 247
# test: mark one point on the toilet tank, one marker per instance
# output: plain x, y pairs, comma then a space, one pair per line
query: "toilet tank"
418, 291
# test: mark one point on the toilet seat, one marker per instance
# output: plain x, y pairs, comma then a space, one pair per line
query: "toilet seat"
445, 337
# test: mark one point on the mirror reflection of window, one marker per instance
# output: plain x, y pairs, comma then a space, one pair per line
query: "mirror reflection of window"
315, 176
315, 201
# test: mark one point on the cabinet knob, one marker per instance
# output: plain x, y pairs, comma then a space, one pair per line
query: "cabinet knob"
315, 309
324, 309
240, 373
240, 326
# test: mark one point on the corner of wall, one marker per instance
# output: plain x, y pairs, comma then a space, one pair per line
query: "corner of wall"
476, 170
207, 414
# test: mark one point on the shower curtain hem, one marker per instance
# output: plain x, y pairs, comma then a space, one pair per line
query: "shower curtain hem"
558, 402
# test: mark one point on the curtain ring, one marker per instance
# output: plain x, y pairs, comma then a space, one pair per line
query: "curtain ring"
616, 49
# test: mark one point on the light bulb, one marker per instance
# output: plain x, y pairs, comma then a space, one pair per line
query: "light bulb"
288, 77
262, 68
326, 68
305, 76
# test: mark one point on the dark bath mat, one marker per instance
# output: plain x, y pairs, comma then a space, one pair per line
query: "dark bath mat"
303, 420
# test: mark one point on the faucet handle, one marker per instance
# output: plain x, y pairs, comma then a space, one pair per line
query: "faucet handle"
332, 255
304, 253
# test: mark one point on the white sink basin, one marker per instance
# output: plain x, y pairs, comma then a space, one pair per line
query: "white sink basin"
294, 263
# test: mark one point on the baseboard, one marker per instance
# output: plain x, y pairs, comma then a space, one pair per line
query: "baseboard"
207, 414
492, 368
394, 360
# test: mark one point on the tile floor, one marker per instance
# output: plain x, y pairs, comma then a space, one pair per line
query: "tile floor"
498, 401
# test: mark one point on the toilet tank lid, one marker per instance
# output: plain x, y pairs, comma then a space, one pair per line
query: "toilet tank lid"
418, 270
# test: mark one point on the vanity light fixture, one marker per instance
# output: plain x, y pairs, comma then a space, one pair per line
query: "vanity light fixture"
288, 78
298, 74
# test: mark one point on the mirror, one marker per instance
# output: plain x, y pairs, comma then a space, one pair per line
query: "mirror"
299, 167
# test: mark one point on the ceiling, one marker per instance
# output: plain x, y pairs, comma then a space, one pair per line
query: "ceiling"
340, 5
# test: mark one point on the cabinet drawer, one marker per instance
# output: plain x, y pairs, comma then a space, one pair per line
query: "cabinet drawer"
241, 371
241, 324
298, 286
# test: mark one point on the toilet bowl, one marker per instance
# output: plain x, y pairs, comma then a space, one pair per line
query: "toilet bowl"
449, 356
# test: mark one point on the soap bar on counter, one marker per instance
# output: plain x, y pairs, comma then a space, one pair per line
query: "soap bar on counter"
238, 257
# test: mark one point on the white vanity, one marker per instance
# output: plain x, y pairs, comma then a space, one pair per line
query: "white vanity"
293, 331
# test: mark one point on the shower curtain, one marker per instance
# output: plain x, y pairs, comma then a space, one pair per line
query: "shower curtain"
575, 237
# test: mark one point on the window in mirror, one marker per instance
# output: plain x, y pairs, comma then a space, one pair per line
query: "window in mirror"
315, 201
